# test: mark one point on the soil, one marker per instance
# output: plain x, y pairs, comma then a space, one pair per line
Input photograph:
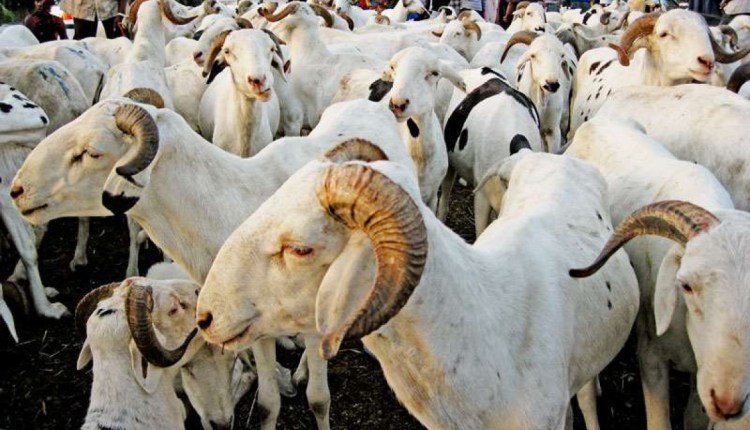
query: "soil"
41, 389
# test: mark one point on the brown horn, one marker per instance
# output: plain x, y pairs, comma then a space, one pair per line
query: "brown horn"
243, 23
135, 121
605, 18
723, 56
166, 9
348, 20
146, 96
138, 307
470, 25
464, 14
382, 19
133, 11
364, 199
525, 37
673, 219
87, 305
283, 13
355, 149
739, 77
213, 50
731, 33
640, 27
323, 13
522, 5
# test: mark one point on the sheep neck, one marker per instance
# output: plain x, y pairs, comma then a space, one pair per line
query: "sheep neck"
306, 45
420, 147
247, 121
149, 40
400, 12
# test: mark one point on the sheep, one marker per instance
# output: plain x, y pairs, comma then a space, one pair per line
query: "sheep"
240, 112
23, 125
296, 23
582, 38
224, 190
402, 9
708, 126
481, 129
544, 74
357, 15
700, 330
678, 50
17, 36
111, 51
529, 18
467, 37
427, 302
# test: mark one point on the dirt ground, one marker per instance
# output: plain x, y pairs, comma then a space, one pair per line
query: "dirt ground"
41, 389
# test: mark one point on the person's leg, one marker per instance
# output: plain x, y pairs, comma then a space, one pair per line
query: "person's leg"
110, 29
84, 28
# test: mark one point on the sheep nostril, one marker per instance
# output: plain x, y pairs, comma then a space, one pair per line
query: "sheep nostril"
15, 191
552, 86
706, 62
204, 320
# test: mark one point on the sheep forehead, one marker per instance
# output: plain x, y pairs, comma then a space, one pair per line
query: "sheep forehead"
719, 256
413, 58
680, 20
536, 8
547, 43
249, 40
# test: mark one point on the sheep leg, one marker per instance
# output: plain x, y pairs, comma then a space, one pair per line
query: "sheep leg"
655, 381
447, 187
79, 257
482, 211
7, 316
587, 402
22, 236
318, 395
301, 374
133, 230
269, 400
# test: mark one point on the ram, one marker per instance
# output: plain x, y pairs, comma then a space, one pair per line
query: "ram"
465, 334
117, 141
693, 301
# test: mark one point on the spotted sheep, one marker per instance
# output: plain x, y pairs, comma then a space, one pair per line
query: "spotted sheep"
694, 301
119, 141
365, 258
677, 49
479, 130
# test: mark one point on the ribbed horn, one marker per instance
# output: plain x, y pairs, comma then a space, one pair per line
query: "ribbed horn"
731, 33
676, 220
640, 27
738, 78
146, 96
138, 307
270, 16
135, 121
166, 9
349, 21
522, 5
133, 11
464, 14
362, 198
213, 51
470, 25
87, 305
323, 13
355, 149
243, 23
525, 37
723, 56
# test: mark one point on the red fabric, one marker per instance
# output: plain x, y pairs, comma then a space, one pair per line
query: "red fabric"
46, 26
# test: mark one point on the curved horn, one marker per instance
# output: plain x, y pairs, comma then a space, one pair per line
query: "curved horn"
349, 22
133, 11
355, 149
166, 9
270, 16
87, 305
364, 199
739, 77
382, 19
605, 18
676, 220
640, 27
138, 307
522, 5
470, 25
323, 13
213, 51
464, 14
146, 96
243, 23
723, 56
566, 36
525, 37
730, 32
449, 11
135, 121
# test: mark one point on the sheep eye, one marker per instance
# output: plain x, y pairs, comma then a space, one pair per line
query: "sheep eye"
687, 288
226, 51
94, 156
172, 312
298, 250
78, 157
663, 34
434, 73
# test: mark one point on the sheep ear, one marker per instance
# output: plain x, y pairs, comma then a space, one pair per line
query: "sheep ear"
119, 194
218, 65
84, 357
665, 292
148, 376
447, 71
343, 287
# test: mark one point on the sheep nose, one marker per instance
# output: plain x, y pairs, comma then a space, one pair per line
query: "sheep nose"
258, 83
197, 55
15, 191
197, 35
727, 407
220, 426
396, 107
551, 86
705, 61
204, 320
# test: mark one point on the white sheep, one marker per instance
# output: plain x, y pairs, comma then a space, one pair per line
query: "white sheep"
402, 9
17, 36
486, 124
693, 306
359, 16
678, 49
223, 191
466, 335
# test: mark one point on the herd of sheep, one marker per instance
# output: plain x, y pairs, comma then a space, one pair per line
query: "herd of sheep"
294, 163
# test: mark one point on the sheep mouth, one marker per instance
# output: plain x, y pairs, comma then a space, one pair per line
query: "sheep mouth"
28, 212
243, 337
700, 75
